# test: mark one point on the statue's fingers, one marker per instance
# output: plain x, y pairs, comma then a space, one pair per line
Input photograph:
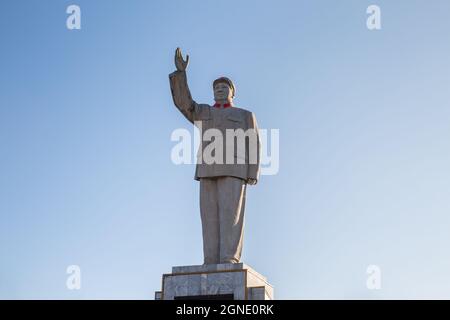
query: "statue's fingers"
187, 59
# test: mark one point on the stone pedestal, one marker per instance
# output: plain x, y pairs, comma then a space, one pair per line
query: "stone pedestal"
228, 281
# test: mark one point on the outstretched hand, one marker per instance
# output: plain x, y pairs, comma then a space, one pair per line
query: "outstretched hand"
180, 63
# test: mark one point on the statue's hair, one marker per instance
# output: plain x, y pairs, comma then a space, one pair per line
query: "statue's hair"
228, 82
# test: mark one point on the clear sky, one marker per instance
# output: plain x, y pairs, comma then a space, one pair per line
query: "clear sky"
364, 117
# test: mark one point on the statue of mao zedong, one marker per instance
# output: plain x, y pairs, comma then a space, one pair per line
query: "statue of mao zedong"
228, 160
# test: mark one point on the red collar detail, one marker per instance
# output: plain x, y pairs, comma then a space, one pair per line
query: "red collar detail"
225, 105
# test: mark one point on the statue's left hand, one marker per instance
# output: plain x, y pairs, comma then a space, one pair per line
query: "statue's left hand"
252, 181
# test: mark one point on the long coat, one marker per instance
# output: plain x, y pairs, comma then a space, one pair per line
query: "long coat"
240, 157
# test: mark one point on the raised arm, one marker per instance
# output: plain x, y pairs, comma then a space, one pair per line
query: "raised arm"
180, 91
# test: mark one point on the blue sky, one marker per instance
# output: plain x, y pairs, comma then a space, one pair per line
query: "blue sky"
364, 119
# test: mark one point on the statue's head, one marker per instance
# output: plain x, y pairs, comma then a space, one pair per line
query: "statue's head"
224, 90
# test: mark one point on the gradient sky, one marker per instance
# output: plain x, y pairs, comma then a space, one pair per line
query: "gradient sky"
364, 119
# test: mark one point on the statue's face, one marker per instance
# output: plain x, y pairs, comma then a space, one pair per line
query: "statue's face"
222, 92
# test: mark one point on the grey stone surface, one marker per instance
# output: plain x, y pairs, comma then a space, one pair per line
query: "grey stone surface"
222, 206
209, 267
257, 293
233, 278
